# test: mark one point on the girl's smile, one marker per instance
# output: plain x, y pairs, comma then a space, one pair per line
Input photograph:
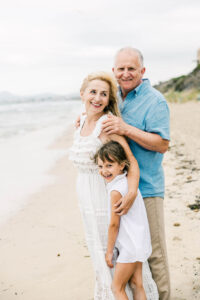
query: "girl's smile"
109, 170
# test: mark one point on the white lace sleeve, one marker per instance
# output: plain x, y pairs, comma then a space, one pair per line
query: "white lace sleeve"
97, 130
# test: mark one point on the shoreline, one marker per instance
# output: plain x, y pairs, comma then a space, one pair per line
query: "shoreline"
25, 169
42, 246
43, 251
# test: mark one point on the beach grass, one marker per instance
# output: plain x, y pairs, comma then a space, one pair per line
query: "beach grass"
183, 96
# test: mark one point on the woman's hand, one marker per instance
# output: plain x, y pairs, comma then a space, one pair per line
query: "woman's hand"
125, 203
108, 258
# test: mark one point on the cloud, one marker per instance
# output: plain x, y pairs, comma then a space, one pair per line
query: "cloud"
53, 44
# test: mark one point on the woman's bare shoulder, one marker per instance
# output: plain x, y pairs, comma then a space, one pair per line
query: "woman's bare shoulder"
104, 137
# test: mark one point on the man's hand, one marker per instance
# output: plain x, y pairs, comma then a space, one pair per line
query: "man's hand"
77, 122
114, 125
108, 258
124, 204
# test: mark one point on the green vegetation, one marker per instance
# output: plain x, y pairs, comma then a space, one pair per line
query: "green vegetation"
196, 70
182, 97
178, 83
183, 88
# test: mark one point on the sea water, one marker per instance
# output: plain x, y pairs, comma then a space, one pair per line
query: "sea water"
27, 129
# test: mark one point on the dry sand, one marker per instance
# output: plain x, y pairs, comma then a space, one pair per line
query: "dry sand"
42, 249
182, 173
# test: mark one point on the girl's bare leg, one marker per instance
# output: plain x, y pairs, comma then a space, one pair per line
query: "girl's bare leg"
136, 283
123, 272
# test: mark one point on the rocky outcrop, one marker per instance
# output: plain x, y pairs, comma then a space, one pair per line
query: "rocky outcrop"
182, 83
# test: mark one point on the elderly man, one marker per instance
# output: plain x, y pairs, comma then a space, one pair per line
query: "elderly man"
145, 122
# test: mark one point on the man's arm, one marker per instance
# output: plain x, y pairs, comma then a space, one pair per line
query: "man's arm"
78, 120
148, 140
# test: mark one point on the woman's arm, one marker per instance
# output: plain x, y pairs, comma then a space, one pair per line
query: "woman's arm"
123, 205
112, 229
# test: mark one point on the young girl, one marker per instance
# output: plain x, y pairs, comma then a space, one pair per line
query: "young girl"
128, 233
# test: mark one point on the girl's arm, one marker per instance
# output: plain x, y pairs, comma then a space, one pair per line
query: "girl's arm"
112, 229
123, 205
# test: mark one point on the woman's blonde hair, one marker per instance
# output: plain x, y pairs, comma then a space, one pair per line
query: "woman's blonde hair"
107, 77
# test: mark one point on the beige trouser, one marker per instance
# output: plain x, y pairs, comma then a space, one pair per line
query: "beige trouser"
158, 259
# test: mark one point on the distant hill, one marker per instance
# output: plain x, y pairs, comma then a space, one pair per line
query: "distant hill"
182, 83
7, 97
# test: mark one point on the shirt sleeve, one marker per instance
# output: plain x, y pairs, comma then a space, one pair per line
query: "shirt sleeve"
158, 119
119, 188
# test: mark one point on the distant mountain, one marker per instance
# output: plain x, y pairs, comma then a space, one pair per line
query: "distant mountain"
6, 97
181, 83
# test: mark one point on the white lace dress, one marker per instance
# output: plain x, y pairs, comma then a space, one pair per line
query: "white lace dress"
93, 202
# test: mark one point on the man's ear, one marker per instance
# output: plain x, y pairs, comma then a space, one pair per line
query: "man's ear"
113, 69
143, 70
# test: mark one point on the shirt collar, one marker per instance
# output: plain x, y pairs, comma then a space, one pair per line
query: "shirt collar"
136, 90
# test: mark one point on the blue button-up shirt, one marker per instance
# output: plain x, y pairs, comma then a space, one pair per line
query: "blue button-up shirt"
146, 108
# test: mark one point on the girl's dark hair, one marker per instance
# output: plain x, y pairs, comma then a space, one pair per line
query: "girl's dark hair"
112, 151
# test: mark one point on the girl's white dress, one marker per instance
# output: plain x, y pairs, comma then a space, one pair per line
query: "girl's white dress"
133, 240
93, 202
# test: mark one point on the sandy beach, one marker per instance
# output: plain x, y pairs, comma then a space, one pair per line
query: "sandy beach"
42, 248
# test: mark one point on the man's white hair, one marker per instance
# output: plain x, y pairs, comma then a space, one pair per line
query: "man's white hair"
133, 50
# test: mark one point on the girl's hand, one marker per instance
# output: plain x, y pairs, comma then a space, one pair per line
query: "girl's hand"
108, 258
124, 204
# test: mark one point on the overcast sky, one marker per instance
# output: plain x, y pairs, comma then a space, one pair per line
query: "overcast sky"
50, 45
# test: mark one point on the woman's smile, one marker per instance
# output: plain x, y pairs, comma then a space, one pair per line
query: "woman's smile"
96, 104
96, 96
